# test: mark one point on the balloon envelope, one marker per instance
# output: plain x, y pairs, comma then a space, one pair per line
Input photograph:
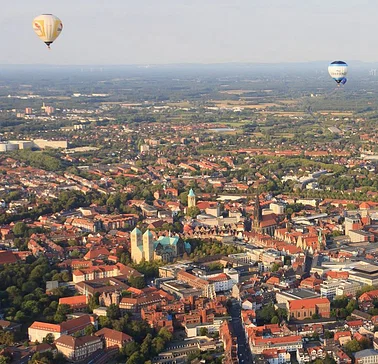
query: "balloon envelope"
47, 27
338, 70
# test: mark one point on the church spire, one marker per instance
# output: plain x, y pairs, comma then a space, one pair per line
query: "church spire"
257, 214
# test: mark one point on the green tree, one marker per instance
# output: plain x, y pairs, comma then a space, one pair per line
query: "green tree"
61, 313
20, 229
113, 312
89, 330
136, 358
352, 346
93, 303
130, 348
137, 282
4, 359
275, 320
146, 347
203, 331
49, 339
193, 212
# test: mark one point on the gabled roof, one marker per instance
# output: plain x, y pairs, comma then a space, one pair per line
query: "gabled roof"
307, 303
113, 335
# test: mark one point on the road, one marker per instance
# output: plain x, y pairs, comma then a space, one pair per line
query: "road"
244, 354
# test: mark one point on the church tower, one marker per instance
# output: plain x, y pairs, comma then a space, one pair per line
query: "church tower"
191, 198
148, 246
136, 245
257, 215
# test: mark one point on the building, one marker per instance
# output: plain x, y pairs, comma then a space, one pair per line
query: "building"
208, 288
274, 356
39, 330
76, 303
367, 356
113, 337
295, 294
348, 288
263, 224
365, 273
191, 199
165, 248
352, 223
288, 343
338, 287
304, 309
77, 349
194, 330
103, 271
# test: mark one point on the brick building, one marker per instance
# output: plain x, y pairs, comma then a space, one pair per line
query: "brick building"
303, 309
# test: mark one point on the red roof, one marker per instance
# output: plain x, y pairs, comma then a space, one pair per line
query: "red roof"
277, 340
114, 335
307, 303
74, 300
7, 257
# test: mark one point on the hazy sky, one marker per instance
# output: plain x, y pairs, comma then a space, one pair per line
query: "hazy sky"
191, 31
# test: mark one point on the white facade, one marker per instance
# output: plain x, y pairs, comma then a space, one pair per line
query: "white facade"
328, 288
194, 331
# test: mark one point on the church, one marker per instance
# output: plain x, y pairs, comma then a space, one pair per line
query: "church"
263, 224
165, 248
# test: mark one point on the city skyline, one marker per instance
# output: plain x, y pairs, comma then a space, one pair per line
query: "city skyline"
127, 32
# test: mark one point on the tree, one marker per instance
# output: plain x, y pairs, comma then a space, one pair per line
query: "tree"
145, 348
4, 359
89, 330
113, 312
93, 303
266, 313
105, 322
203, 331
49, 338
20, 229
329, 360
137, 282
274, 320
165, 334
130, 348
352, 346
136, 358
328, 334
193, 211
61, 313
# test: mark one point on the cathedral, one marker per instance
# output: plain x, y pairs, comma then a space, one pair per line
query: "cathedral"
165, 248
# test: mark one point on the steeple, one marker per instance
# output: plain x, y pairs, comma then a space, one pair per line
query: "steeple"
257, 214
148, 246
191, 198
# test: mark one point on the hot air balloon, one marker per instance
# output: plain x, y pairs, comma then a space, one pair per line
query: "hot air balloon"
338, 70
48, 27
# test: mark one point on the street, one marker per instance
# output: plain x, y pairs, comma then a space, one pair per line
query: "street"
244, 354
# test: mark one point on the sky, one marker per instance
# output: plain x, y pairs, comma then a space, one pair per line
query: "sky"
103, 32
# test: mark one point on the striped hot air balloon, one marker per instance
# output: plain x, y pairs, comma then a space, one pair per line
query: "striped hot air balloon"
338, 70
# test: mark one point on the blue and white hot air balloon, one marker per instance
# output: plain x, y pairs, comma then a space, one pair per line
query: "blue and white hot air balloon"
338, 70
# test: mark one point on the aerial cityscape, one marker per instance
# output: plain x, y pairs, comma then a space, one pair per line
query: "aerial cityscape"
186, 212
